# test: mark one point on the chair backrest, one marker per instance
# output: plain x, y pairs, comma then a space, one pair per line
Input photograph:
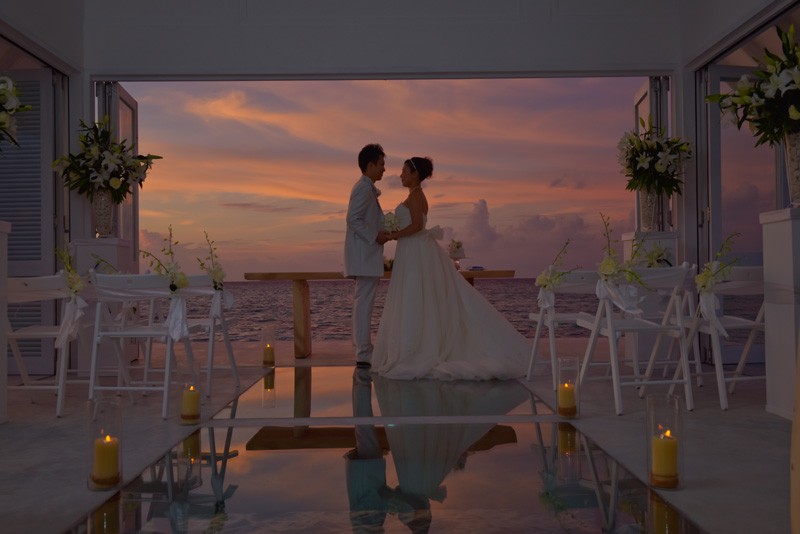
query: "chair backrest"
664, 277
578, 282
742, 281
122, 287
37, 288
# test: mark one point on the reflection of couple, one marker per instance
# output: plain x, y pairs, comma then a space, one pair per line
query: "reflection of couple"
423, 454
434, 323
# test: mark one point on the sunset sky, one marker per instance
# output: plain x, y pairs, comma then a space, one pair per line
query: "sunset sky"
266, 167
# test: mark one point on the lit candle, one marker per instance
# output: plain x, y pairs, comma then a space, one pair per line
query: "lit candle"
567, 405
105, 466
190, 407
664, 461
269, 354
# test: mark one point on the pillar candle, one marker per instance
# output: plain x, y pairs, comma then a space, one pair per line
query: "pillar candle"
105, 464
269, 354
566, 403
567, 438
664, 461
190, 406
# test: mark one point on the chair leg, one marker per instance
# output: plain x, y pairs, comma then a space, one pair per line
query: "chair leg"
716, 352
587, 357
231, 358
98, 317
534, 350
61, 379
614, 357
212, 334
742, 361
167, 374
553, 354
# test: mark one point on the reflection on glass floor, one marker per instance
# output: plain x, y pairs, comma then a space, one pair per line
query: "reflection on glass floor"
450, 475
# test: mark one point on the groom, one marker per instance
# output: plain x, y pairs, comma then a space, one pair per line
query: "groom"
363, 247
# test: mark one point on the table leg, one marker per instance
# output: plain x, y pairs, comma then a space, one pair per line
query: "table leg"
302, 318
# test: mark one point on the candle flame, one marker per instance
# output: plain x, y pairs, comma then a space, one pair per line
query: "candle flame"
268, 345
191, 388
107, 439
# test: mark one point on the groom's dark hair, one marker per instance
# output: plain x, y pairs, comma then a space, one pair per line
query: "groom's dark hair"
369, 154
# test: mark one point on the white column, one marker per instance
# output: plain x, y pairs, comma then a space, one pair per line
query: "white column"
5, 229
781, 230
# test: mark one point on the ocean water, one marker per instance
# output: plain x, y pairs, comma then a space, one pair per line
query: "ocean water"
260, 303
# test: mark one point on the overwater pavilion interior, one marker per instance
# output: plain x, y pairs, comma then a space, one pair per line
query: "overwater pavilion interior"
73, 57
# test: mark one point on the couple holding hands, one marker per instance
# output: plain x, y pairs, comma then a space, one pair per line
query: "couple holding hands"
434, 323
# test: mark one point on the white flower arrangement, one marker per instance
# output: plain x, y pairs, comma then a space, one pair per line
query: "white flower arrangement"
652, 161
103, 164
718, 269
9, 105
455, 250
390, 222
768, 99
171, 269
551, 277
212, 266
75, 282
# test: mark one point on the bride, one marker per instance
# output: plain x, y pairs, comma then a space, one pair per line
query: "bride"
434, 323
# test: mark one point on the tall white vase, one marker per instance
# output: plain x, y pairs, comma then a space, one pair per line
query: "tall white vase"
648, 211
791, 146
103, 212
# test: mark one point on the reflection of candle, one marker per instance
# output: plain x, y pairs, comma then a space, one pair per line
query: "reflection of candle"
105, 519
105, 467
191, 446
190, 407
567, 438
664, 461
269, 354
664, 519
567, 407
269, 381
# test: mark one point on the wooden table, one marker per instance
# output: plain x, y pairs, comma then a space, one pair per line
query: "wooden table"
301, 301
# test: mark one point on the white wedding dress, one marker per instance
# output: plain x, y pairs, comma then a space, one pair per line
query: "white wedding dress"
436, 325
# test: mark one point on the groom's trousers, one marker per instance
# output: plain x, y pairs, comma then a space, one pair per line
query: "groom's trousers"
363, 302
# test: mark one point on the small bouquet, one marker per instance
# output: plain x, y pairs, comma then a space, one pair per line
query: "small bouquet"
212, 266
652, 161
716, 270
610, 268
390, 222
75, 281
551, 277
171, 269
455, 250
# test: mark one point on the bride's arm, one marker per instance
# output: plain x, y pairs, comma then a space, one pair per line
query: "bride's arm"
416, 205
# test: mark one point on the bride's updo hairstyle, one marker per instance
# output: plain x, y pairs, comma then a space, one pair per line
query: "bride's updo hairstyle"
424, 166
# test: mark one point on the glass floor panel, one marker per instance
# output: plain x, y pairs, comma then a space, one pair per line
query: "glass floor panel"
461, 473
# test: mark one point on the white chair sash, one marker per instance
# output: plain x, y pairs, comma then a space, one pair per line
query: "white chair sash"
177, 325
70, 320
547, 305
624, 296
219, 300
709, 304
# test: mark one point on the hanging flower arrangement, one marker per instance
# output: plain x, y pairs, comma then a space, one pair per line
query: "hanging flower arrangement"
768, 100
9, 106
652, 161
103, 164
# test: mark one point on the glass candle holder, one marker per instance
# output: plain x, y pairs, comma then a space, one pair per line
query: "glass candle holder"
268, 344
104, 446
268, 397
190, 404
568, 391
664, 441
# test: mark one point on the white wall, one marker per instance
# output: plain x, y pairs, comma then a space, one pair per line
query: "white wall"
320, 38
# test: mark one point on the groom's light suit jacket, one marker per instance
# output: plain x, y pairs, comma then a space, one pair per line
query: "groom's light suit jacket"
362, 255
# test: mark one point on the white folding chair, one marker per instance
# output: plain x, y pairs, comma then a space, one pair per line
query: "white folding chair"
741, 281
667, 281
573, 283
126, 291
202, 285
40, 289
